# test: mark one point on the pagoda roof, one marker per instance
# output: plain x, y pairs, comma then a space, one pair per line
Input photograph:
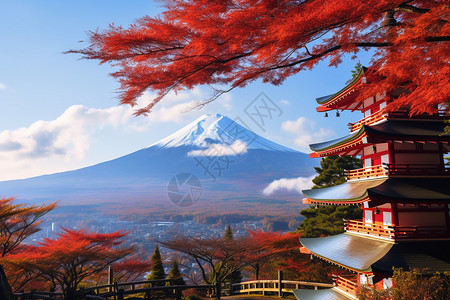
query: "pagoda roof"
398, 130
343, 97
345, 249
327, 294
429, 257
379, 191
350, 192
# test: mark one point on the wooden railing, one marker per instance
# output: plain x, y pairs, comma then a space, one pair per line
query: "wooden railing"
120, 291
367, 172
373, 229
396, 232
417, 169
382, 114
376, 117
38, 295
346, 284
440, 114
265, 287
418, 232
386, 169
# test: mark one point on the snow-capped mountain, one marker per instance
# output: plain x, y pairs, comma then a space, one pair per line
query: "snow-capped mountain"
217, 129
232, 164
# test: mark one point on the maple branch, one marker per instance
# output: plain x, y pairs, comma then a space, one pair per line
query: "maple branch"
438, 38
410, 8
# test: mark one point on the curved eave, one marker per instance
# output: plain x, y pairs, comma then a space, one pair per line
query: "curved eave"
430, 257
383, 190
350, 192
397, 130
362, 254
334, 202
328, 102
328, 294
337, 145
345, 250
408, 130
411, 190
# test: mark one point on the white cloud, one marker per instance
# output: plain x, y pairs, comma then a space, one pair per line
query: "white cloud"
3, 86
52, 146
64, 143
238, 147
306, 131
289, 184
67, 136
285, 102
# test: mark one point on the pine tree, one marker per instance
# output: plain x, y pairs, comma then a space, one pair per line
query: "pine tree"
157, 266
328, 219
228, 233
236, 276
175, 274
332, 170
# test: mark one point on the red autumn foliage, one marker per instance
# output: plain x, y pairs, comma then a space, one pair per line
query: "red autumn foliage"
72, 258
130, 269
218, 258
17, 222
234, 42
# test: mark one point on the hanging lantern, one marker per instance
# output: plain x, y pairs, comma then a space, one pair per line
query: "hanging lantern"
326, 115
377, 211
338, 114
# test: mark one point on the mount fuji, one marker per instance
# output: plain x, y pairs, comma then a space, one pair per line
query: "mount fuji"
214, 163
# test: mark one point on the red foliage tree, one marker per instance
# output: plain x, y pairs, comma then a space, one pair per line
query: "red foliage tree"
231, 43
17, 222
130, 269
218, 258
274, 244
73, 257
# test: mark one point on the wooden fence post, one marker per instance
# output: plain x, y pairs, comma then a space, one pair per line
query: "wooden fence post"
120, 294
280, 283
178, 294
110, 278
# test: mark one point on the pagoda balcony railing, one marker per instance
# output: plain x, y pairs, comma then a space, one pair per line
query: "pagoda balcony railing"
376, 117
396, 232
440, 114
418, 232
372, 229
382, 115
367, 172
416, 169
347, 283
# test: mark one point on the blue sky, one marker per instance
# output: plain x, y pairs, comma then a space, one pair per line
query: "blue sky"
60, 113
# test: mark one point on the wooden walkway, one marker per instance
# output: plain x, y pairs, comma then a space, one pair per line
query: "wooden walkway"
251, 297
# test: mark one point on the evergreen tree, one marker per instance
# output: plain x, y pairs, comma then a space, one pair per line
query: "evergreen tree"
175, 274
236, 276
157, 266
228, 233
328, 219
332, 170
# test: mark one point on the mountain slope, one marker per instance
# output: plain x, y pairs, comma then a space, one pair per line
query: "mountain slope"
230, 177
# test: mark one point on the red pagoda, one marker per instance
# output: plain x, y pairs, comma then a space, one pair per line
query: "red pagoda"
403, 190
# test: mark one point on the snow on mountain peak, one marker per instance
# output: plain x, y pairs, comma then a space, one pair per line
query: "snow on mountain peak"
217, 129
